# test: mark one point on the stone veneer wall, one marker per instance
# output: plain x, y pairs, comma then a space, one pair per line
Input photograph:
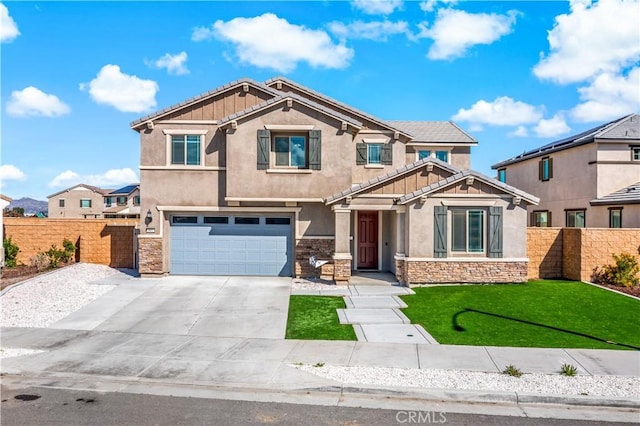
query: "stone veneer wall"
342, 270
322, 249
457, 271
103, 241
150, 255
400, 275
544, 250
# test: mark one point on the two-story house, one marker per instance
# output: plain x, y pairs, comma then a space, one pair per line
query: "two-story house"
255, 178
123, 203
78, 201
591, 179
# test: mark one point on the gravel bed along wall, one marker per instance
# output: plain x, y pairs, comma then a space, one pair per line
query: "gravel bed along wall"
10, 352
312, 284
45, 299
603, 386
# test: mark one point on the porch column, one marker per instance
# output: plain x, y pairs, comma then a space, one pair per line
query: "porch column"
342, 254
400, 254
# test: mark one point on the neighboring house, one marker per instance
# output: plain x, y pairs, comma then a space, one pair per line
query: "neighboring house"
591, 179
123, 203
4, 203
79, 201
255, 178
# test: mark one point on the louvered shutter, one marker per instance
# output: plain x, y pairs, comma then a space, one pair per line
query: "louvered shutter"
550, 168
264, 140
440, 231
361, 153
386, 154
495, 231
314, 150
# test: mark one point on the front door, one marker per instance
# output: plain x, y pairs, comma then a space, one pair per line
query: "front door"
367, 240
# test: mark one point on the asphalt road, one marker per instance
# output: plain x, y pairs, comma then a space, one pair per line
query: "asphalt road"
44, 406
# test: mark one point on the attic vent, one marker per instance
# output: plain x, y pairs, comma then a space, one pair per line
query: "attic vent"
633, 188
245, 87
279, 85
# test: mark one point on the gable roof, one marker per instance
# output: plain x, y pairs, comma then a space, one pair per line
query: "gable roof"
393, 174
125, 190
202, 97
352, 110
83, 185
462, 175
627, 127
434, 131
627, 195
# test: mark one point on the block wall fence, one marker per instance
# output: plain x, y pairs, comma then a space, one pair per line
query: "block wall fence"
110, 242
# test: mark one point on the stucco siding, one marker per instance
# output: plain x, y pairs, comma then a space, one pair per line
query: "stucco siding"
315, 220
72, 207
155, 145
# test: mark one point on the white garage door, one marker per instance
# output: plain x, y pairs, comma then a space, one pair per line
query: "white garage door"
231, 245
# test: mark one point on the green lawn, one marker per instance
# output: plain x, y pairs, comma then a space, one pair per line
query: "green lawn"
315, 318
546, 313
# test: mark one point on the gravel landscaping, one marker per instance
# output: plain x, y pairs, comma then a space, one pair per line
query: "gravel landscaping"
547, 384
45, 299
312, 284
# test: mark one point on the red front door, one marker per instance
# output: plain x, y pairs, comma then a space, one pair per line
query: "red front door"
367, 240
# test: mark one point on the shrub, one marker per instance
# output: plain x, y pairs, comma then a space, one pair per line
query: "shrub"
624, 273
512, 370
69, 250
10, 252
55, 255
568, 370
40, 261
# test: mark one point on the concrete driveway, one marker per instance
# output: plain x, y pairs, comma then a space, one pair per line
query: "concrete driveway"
253, 307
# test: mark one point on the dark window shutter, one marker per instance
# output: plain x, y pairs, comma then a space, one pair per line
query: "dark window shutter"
532, 219
540, 170
264, 141
550, 168
440, 231
549, 219
361, 153
386, 154
495, 231
314, 150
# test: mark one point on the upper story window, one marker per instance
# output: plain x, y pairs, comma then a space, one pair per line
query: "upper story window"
121, 201
615, 217
291, 151
424, 153
467, 231
443, 156
635, 153
374, 153
61, 203
502, 175
107, 201
545, 169
136, 200
288, 151
185, 149
85, 203
541, 219
575, 218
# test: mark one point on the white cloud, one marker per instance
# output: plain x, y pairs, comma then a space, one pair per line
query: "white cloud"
520, 132
8, 27
126, 93
430, 5
377, 7
591, 39
455, 31
108, 179
11, 172
174, 64
32, 101
609, 96
503, 111
552, 127
378, 31
268, 41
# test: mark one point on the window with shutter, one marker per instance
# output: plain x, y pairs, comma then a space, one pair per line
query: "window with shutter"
315, 153
495, 231
264, 141
440, 231
387, 154
361, 153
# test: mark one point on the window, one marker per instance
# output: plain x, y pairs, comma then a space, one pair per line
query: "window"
136, 200
107, 201
121, 201
278, 221
61, 203
185, 149
374, 153
247, 220
85, 204
541, 219
635, 153
424, 154
291, 151
615, 217
221, 220
443, 156
575, 218
184, 219
467, 231
502, 175
545, 169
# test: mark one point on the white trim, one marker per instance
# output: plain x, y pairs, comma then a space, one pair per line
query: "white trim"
211, 122
280, 200
185, 132
182, 167
200, 209
466, 259
391, 196
342, 256
377, 132
470, 203
290, 127
379, 240
374, 166
371, 207
445, 144
315, 237
169, 132
372, 140
290, 171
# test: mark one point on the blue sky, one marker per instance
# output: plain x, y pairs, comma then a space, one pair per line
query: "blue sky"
516, 75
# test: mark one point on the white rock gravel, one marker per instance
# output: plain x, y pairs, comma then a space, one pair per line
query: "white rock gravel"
312, 284
11, 352
602, 386
45, 299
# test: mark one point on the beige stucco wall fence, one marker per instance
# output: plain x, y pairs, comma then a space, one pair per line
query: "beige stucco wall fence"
573, 253
108, 242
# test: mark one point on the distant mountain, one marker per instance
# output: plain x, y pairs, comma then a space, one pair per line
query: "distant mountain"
30, 206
